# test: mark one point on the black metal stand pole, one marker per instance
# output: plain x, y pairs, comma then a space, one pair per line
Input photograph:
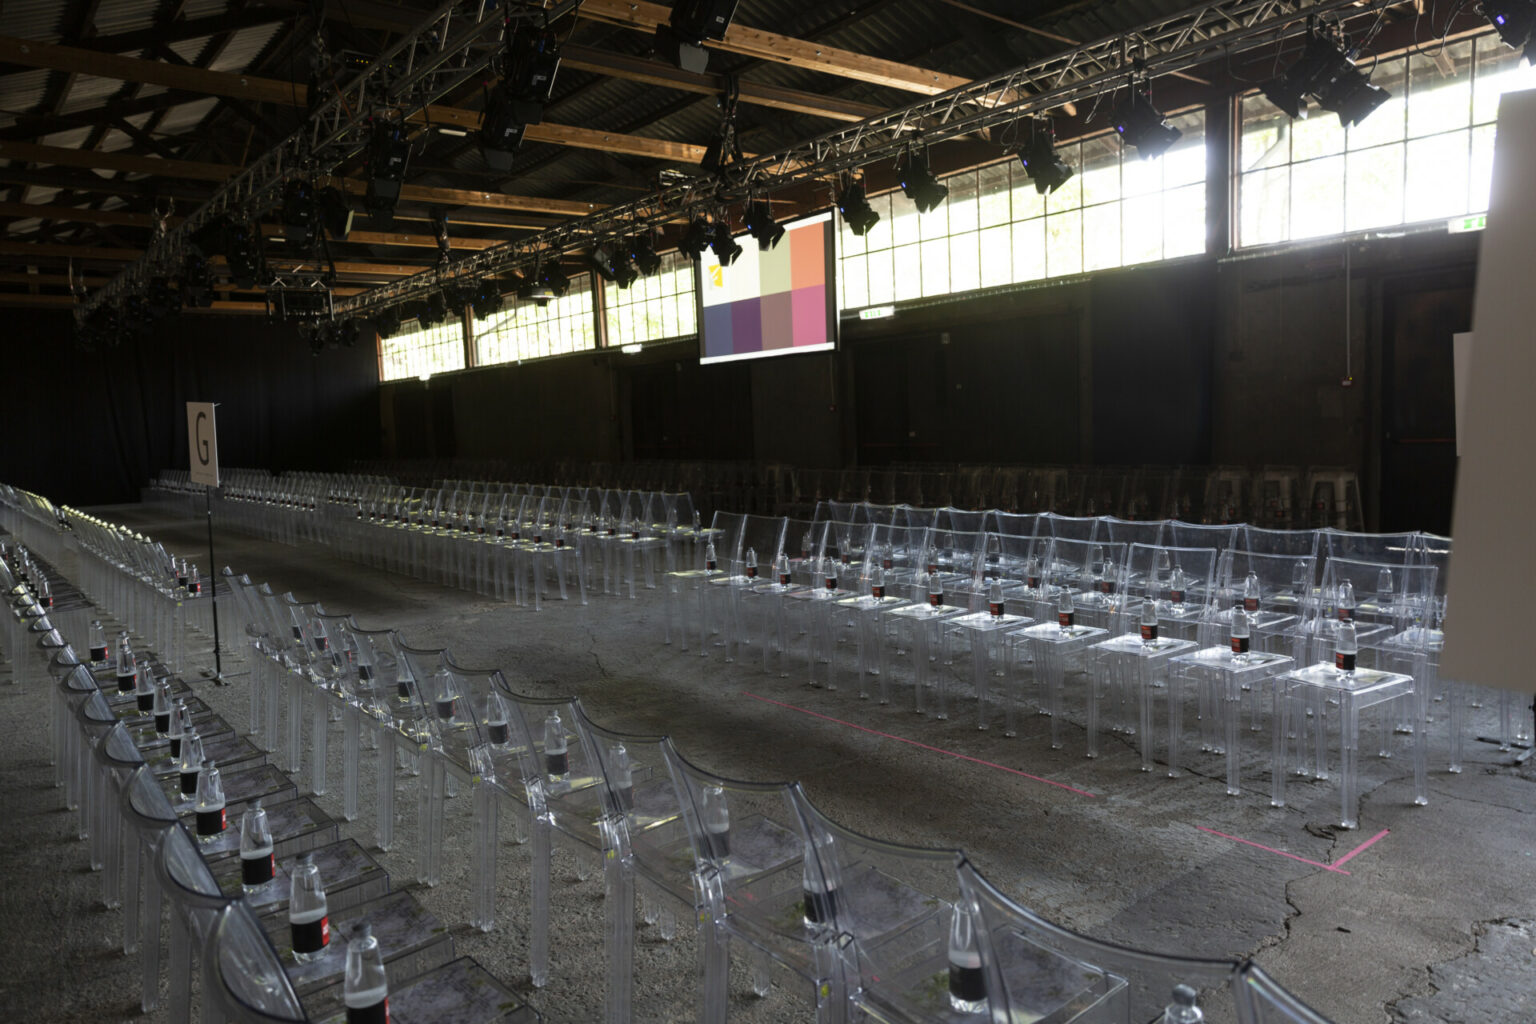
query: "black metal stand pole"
213, 590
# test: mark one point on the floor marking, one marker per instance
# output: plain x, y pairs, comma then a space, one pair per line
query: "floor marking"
1271, 849
924, 746
1363, 846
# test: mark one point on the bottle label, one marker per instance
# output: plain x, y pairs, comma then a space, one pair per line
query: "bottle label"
634, 534
163, 723
1176, 596
1148, 633
195, 589
323, 642
885, 563
877, 591
364, 672
175, 745
1033, 582
126, 683
378, 1013
831, 582
1343, 662
1250, 604
403, 687
516, 535
181, 581
211, 823
719, 843
936, 600
147, 701
559, 542
538, 538
996, 608
1240, 645
1346, 614
445, 708
933, 567
258, 870
1106, 586
99, 653
557, 764
499, 732
189, 782
311, 936
710, 565
751, 572
783, 579
1064, 619
967, 983
820, 906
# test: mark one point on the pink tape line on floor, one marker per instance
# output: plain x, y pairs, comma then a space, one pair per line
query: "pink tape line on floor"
1363, 846
924, 746
1271, 849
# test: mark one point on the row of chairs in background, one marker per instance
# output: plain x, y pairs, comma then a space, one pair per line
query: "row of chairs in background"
869, 928
164, 846
1278, 497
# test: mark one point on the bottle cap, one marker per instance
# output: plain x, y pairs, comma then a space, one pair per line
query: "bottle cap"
1183, 995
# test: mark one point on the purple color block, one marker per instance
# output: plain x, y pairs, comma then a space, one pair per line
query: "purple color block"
746, 326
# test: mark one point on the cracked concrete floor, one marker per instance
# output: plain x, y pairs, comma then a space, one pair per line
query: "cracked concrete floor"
1430, 922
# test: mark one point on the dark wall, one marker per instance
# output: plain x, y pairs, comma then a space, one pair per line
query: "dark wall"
93, 427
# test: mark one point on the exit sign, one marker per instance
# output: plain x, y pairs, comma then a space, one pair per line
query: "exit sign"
1474, 223
877, 312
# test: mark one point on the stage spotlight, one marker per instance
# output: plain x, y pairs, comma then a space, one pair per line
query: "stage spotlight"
1514, 20
414, 310
486, 298
389, 153
762, 226
853, 204
1141, 125
242, 248
298, 212
1047, 170
434, 310
604, 262
348, 332
643, 254
681, 40
335, 212
387, 321
919, 184
725, 248
440, 232
555, 279
530, 62
196, 280
1325, 72
696, 239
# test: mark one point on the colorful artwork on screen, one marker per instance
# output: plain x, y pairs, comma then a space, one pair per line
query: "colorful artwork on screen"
769, 303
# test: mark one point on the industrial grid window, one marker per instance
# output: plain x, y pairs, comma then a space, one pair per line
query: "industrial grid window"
524, 329
1425, 155
654, 308
417, 351
995, 229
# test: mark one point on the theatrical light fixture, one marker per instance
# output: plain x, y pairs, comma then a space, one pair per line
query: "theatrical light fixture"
725, 247
335, 212
762, 226
440, 232
1326, 72
1045, 168
681, 40
486, 299
242, 248
919, 184
696, 239
389, 153
642, 253
387, 321
348, 332
1141, 125
434, 310
853, 204
298, 212
1515, 21
527, 66
196, 279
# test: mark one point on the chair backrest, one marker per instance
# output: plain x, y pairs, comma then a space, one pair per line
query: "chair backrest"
1120, 985
186, 876
1079, 528
245, 978
1149, 572
1369, 547
762, 537
1285, 580
1221, 536
1260, 1000
1385, 592
1124, 531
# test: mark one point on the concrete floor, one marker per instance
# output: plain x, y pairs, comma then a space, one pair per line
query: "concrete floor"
1432, 922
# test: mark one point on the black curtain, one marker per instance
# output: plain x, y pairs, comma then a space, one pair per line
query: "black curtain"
93, 427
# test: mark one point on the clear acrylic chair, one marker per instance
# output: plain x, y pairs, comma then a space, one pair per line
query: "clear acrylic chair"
147, 819
782, 574
243, 979
196, 901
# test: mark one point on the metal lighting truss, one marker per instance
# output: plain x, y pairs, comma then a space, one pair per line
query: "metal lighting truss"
448, 48
1195, 36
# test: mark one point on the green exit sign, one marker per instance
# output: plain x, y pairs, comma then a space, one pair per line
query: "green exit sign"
1474, 223
877, 312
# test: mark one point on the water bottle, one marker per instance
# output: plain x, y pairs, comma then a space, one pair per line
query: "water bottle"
1176, 590
623, 778
1384, 588
366, 989
162, 706
209, 808
1149, 620
1301, 579
497, 729
711, 563
98, 644
1107, 578
717, 823
126, 673
819, 883
1345, 602
1240, 635
144, 691
829, 573
309, 923
405, 683
995, 599
1032, 578
751, 567
1251, 593
1162, 565
935, 591
44, 593
1345, 648
178, 728
1066, 614
191, 762
194, 582
556, 759
258, 864
445, 697
967, 984
1183, 1009
877, 583
781, 570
